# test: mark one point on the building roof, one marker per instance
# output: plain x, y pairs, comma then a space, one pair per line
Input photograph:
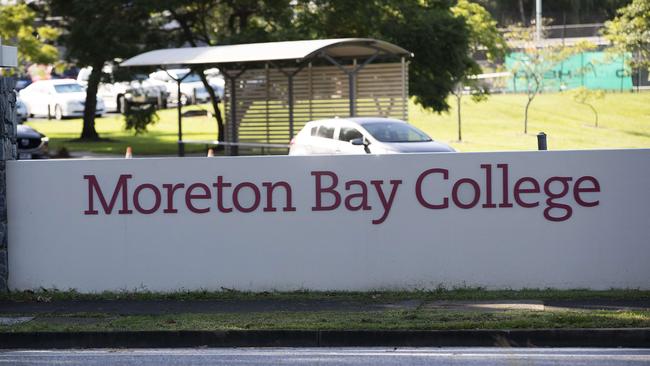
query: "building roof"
270, 51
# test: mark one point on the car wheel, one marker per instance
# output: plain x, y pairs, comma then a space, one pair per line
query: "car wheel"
58, 112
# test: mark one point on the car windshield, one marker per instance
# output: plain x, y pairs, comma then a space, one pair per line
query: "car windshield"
395, 132
68, 88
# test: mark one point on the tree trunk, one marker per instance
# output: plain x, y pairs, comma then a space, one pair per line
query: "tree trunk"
88, 131
189, 37
595, 114
460, 137
522, 13
530, 100
221, 136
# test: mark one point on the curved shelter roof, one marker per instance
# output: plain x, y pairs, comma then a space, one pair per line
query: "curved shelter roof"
270, 51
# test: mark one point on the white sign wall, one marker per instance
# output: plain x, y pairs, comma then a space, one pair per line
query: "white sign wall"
574, 219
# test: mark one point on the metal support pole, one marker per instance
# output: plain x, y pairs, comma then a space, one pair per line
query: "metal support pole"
352, 77
290, 99
181, 147
290, 77
352, 81
538, 20
541, 141
234, 150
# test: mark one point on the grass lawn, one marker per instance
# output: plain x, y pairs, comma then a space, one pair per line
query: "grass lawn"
498, 123
421, 319
456, 294
494, 125
159, 140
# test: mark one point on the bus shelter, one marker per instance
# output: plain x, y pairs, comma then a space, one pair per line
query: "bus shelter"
272, 89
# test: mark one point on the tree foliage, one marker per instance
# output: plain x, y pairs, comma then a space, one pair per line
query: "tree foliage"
139, 117
427, 28
99, 31
630, 32
483, 36
586, 96
535, 60
34, 43
482, 29
220, 22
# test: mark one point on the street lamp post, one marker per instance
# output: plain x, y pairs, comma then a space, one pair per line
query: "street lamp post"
538, 20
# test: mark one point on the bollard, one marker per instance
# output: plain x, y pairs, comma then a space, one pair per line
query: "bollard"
541, 141
210, 153
129, 153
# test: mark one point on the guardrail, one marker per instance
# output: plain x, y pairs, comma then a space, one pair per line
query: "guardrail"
264, 148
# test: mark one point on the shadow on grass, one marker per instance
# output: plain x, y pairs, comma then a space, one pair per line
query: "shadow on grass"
99, 139
637, 133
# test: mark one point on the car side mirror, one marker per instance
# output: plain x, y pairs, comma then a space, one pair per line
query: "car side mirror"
362, 141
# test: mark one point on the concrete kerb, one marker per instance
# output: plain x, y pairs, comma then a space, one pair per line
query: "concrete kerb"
628, 338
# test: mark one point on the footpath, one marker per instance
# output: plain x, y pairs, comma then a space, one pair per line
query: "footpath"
61, 314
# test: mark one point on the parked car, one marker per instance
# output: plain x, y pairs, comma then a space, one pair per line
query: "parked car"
30, 143
58, 97
22, 83
118, 94
362, 136
192, 89
21, 111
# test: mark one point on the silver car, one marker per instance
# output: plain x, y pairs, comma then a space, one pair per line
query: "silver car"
367, 135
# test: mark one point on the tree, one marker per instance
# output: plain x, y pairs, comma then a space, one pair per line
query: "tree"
33, 42
99, 31
484, 36
534, 61
214, 22
587, 96
629, 32
425, 27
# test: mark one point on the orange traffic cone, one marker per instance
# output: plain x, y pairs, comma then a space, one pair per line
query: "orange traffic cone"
210, 153
129, 153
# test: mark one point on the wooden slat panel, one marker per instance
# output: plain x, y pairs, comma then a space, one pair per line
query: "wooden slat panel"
319, 92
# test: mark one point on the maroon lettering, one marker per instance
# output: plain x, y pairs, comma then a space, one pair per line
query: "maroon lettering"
190, 196
362, 195
320, 190
270, 187
488, 186
577, 189
171, 189
256, 197
136, 198
418, 189
519, 191
220, 185
94, 188
504, 182
475, 187
550, 202
386, 203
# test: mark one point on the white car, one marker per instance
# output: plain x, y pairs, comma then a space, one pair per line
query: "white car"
21, 111
365, 135
118, 95
192, 89
57, 97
